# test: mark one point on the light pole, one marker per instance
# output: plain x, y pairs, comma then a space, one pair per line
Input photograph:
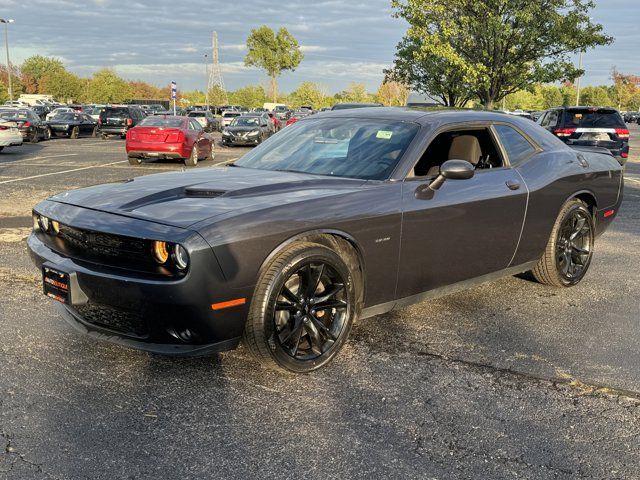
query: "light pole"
206, 74
578, 82
6, 43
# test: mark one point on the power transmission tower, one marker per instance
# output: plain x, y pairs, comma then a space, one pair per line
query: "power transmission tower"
215, 73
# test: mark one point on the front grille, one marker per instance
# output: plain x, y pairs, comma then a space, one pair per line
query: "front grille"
126, 322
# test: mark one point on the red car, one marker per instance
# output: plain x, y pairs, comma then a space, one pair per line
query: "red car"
166, 136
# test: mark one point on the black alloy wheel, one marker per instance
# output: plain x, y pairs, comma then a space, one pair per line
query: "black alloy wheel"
570, 249
574, 246
47, 134
310, 311
302, 310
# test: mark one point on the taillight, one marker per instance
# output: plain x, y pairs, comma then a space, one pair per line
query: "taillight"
175, 137
26, 124
564, 132
99, 121
624, 154
2, 127
129, 122
622, 132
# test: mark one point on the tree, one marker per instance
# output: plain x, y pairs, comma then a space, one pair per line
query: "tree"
393, 94
217, 96
428, 74
249, 96
274, 53
355, 93
37, 68
551, 96
627, 89
309, 93
16, 83
596, 96
106, 87
498, 47
63, 85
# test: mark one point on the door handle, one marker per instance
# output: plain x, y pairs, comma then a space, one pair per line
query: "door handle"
512, 184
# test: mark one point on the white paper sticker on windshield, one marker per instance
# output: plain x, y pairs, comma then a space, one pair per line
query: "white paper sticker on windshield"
385, 134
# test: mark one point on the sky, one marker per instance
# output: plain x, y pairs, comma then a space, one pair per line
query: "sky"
160, 41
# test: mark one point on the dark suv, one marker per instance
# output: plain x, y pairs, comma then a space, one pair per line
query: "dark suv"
117, 120
589, 127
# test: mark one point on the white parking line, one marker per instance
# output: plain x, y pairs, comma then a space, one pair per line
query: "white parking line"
60, 173
39, 158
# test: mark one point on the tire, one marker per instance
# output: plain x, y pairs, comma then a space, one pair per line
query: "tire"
94, 132
568, 255
211, 154
75, 133
284, 331
47, 134
1, 148
192, 161
103, 136
35, 138
135, 161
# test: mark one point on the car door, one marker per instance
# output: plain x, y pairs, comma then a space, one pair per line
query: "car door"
199, 137
465, 229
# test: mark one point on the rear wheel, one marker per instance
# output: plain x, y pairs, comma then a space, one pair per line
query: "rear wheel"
302, 309
192, 161
47, 134
94, 132
135, 161
35, 138
75, 132
570, 249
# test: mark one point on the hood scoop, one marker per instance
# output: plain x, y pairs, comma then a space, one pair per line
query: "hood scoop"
203, 192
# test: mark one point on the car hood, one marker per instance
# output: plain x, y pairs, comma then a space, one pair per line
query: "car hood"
182, 199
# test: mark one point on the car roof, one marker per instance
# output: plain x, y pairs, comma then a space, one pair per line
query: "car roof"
422, 116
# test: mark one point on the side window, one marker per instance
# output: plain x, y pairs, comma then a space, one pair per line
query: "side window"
544, 120
518, 148
477, 146
190, 127
552, 119
194, 125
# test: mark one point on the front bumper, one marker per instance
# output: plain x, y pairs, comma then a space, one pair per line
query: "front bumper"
143, 311
229, 140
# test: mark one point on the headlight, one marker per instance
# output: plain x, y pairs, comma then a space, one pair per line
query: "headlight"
253, 133
55, 226
44, 223
225, 134
180, 257
36, 221
160, 252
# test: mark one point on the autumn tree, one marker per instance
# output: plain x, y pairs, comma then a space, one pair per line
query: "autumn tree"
393, 94
627, 89
496, 47
273, 52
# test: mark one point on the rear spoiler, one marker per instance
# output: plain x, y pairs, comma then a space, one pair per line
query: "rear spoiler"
586, 148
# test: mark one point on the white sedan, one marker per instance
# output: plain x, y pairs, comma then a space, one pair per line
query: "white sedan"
9, 135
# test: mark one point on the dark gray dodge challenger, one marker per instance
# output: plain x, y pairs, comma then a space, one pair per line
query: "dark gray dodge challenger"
344, 215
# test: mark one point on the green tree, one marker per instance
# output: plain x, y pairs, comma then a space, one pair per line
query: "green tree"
523, 100
217, 96
36, 69
355, 93
16, 83
596, 96
550, 95
249, 96
429, 74
626, 89
308, 93
63, 85
273, 52
107, 87
500, 46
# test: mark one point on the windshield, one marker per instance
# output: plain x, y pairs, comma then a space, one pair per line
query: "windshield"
593, 118
245, 122
161, 122
342, 147
13, 115
230, 114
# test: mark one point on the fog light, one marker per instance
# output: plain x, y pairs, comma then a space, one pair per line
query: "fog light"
180, 257
160, 252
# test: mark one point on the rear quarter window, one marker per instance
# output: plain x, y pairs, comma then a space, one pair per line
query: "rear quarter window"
518, 148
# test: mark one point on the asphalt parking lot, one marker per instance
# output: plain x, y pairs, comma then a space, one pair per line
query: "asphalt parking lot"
508, 380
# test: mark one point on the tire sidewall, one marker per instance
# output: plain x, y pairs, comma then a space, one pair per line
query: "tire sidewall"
266, 310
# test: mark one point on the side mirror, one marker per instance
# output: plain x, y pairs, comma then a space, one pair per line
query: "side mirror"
457, 170
449, 170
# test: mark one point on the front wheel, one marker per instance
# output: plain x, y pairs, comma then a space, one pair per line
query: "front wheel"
570, 249
47, 134
75, 133
302, 309
35, 138
94, 132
